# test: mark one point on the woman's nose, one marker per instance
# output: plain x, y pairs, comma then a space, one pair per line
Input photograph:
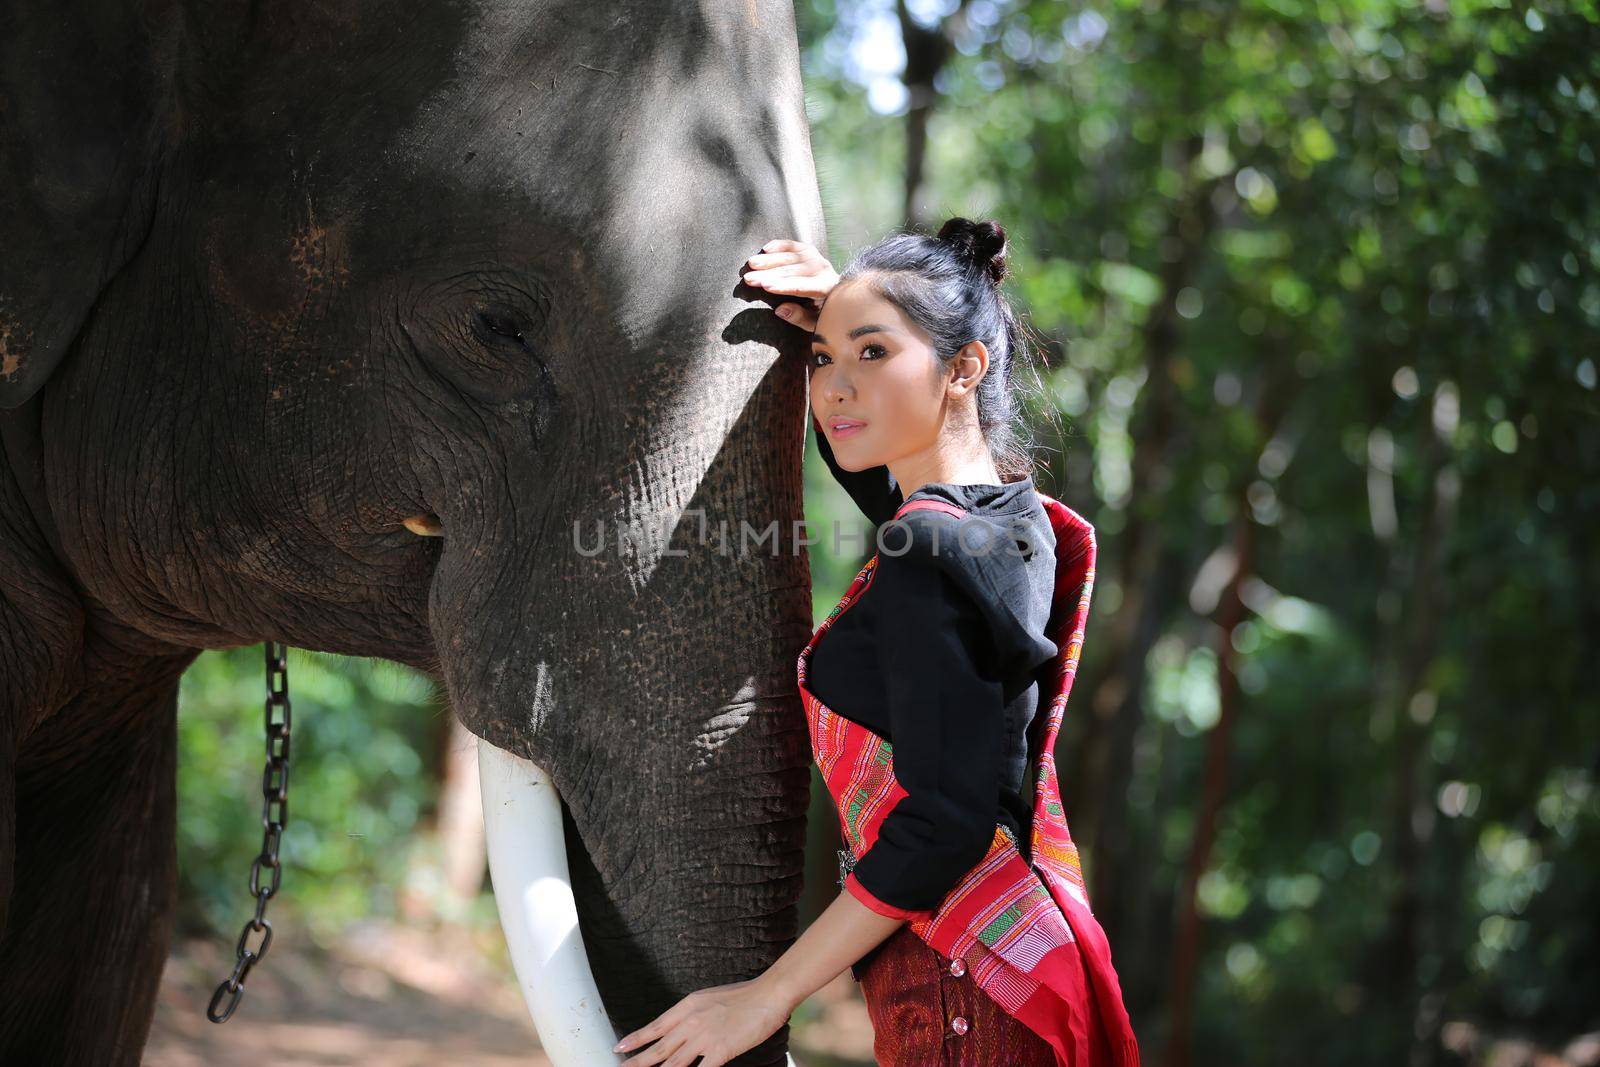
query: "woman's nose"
838, 386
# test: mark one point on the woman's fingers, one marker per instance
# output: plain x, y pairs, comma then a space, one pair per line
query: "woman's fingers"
800, 314
659, 1027
775, 259
810, 274
815, 286
773, 275
793, 268
649, 1032
656, 1053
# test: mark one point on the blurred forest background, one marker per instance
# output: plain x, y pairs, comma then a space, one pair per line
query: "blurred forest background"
1316, 291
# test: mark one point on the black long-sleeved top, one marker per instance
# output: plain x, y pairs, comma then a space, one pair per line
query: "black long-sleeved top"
939, 654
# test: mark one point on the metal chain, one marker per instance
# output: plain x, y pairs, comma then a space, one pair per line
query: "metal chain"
274, 814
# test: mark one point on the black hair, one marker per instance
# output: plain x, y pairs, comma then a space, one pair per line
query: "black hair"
949, 285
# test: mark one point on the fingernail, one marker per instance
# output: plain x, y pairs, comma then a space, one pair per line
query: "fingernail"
786, 312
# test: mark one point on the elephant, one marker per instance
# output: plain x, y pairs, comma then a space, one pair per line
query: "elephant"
347, 324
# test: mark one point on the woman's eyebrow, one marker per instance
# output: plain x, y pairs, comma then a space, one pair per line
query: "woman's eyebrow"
817, 338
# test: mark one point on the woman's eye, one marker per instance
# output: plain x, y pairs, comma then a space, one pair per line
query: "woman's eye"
822, 359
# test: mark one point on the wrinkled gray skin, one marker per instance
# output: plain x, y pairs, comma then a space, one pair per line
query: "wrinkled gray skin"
278, 276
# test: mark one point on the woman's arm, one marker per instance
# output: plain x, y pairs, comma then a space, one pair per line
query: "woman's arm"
723, 1021
845, 931
936, 655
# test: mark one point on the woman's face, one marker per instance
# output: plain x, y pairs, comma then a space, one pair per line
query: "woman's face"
876, 384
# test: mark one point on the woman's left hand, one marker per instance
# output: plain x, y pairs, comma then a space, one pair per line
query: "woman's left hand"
793, 268
716, 1023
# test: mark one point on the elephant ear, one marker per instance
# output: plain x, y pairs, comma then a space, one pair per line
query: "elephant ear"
79, 99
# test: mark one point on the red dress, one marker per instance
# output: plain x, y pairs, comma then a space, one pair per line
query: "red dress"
1014, 942
926, 1009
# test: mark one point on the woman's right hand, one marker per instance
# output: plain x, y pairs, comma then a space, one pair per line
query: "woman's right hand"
793, 268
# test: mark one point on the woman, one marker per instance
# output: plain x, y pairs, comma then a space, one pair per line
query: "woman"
962, 914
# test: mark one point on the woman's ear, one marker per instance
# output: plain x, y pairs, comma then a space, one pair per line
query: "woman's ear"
967, 369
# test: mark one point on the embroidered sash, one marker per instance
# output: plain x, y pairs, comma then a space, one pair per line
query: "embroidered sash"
1024, 928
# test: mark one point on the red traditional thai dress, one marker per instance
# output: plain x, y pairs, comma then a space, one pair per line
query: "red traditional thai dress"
1017, 932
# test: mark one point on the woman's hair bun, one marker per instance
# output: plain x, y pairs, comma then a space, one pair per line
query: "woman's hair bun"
982, 244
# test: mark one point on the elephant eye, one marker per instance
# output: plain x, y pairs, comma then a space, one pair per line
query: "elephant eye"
499, 324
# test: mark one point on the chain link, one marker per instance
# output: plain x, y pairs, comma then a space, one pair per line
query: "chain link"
274, 815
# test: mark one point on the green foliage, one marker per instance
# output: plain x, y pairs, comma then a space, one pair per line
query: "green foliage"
1332, 268
365, 739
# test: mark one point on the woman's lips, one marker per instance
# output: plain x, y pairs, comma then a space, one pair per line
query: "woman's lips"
845, 428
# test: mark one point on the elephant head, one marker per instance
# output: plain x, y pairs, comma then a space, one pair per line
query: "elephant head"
415, 331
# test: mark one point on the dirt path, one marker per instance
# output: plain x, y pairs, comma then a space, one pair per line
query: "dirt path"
391, 996
384, 995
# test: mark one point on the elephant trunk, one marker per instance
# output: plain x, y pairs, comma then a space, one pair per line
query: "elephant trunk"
659, 705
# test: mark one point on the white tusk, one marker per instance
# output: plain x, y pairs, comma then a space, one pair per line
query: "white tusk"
533, 890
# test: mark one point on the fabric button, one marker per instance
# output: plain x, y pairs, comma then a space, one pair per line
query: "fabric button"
958, 967
959, 1025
